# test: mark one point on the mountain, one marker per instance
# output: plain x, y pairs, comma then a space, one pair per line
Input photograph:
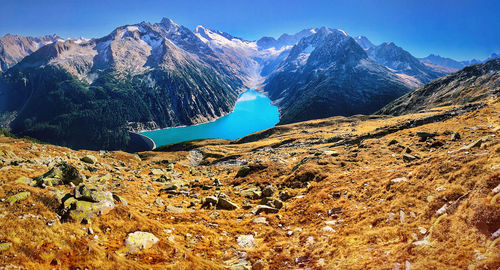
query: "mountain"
433, 59
364, 42
403, 63
327, 74
14, 48
471, 84
252, 59
89, 94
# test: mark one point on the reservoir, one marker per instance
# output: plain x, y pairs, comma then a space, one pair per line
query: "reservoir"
253, 112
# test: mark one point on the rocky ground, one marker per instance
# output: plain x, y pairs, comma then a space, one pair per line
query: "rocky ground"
418, 191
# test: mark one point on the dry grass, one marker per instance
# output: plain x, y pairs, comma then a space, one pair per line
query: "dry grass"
377, 221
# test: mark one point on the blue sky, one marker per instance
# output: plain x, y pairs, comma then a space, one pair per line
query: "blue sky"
458, 29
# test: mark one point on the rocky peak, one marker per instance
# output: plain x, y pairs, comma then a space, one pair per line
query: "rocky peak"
364, 42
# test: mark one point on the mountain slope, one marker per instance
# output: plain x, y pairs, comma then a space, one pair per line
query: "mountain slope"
327, 74
14, 48
471, 84
138, 77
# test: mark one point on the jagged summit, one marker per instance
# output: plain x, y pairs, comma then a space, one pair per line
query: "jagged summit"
364, 42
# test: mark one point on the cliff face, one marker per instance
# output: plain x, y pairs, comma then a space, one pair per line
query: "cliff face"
420, 190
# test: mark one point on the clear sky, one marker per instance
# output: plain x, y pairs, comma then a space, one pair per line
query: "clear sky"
453, 28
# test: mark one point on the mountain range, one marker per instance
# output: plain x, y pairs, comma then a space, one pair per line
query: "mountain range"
89, 93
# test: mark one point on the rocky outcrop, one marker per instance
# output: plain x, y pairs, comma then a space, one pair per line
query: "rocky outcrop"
61, 174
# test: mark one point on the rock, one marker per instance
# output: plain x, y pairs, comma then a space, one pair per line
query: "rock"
260, 220
399, 179
26, 180
225, 204
209, 202
408, 157
159, 202
477, 143
259, 265
61, 195
170, 167
217, 182
335, 211
156, 171
82, 192
87, 206
251, 193
393, 141
332, 153
176, 209
169, 187
89, 159
426, 135
245, 241
455, 136
243, 171
138, 241
263, 209
284, 195
120, 199
84, 210
61, 174
18, 197
5, 246
268, 191
328, 229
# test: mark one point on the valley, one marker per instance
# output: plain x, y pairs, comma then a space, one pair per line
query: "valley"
150, 76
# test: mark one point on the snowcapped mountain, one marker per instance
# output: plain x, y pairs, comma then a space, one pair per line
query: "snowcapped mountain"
403, 63
252, 59
364, 42
328, 74
433, 59
14, 48
155, 75
140, 76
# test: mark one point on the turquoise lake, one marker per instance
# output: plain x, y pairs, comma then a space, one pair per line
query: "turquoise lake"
253, 112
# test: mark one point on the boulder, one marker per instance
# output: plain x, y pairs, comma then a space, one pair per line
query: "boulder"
426, 135
89, 159
61, 174
138, 241
82, 192
86, 204
18, 197
251, 193
268, 191
408, 157
225, 204
209, 201
245, 241
243, 171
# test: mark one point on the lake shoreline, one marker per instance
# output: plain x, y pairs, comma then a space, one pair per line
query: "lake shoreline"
215, 119
252, 112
